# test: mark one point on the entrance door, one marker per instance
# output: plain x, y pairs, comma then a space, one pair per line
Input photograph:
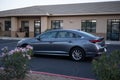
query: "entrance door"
7, 28
37, 27
25, 27
113, 30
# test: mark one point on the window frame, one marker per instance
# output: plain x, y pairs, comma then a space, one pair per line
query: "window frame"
88, 25
7, 25
56, 24
37, 27
112, 33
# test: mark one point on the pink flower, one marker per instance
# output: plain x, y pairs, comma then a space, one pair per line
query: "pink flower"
1, 68
24, 50
11, 52
3, 54
17, 50
28, 56
30, 71
29, 47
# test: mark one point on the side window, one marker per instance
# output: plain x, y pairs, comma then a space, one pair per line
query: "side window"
71, 35
78, 36
48, 35
62, 34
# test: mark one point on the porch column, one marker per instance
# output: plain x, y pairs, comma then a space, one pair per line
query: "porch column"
14, 26
44, 23
101, 26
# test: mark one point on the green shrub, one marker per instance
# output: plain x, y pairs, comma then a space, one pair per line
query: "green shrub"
107, 67
14, 63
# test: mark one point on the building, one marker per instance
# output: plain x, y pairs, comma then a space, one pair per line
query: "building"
100, 18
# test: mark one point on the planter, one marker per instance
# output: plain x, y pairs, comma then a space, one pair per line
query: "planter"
21, 34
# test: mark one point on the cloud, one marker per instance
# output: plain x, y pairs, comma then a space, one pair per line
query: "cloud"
12, 4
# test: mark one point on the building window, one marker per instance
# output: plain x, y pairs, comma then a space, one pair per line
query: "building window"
24, 24
0, 26
113, 29
56, 24
7, 25
89, 26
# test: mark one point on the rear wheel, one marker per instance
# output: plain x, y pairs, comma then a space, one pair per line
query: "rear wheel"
77, 54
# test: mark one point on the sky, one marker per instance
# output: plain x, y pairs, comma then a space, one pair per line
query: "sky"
13, 4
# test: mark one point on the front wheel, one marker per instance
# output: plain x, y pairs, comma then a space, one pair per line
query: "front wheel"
77, 54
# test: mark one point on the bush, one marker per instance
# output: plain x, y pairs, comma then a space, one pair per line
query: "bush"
107, 67
14, 63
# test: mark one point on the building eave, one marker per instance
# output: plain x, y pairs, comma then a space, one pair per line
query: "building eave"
77, 14
87, 14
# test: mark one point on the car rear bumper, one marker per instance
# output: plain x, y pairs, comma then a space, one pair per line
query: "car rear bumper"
97, 53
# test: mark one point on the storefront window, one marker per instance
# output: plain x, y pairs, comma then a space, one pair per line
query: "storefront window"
56, 24
113, 29
7, 25
89, 25
37, 27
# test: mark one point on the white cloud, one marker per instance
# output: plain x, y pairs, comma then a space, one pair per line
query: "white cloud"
11, 4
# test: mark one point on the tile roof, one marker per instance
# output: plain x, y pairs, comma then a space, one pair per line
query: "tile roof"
96, 8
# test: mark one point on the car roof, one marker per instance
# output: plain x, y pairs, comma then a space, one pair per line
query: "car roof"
64, 30
77, 31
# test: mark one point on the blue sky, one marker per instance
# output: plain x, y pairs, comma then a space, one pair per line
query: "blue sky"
13, 4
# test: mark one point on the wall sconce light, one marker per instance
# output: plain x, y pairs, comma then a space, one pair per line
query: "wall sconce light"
71, 21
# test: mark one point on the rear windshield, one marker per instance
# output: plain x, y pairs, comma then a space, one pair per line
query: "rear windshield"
88, 34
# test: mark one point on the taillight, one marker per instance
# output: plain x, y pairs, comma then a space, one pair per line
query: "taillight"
95, 41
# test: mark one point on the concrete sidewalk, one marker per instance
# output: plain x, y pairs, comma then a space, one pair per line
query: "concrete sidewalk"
113, 42
13, 38
51, 76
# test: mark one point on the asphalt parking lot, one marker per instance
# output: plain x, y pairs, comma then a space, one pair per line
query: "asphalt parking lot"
60, 64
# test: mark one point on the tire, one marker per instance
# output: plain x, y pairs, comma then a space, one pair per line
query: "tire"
77, 54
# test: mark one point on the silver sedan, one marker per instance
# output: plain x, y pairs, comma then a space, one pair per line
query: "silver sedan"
73, 43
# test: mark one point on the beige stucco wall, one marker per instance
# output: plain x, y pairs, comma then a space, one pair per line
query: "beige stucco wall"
74, 22
44, 23
69, 22
14, 26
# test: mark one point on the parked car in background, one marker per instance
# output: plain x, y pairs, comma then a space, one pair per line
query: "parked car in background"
74, 43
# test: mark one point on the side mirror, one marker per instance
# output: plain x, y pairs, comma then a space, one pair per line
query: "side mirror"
38, 38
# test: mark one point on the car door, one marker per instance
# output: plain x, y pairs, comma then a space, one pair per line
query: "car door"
44, 45
63, 42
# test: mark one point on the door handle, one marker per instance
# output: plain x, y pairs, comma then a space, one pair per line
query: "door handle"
50, 42
70, 41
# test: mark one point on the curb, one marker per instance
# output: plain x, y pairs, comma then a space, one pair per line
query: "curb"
113, 42
10, 38
59, 75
